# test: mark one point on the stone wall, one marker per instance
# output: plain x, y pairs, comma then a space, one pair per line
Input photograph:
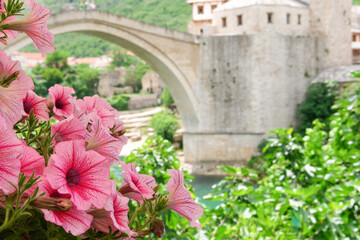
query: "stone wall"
251, 85
332, 20
151, 82
255, 20
142, 101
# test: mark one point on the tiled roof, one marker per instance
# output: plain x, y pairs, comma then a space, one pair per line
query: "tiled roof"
32, 56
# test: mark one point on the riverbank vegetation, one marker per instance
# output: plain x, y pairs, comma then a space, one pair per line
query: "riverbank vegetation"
302, 186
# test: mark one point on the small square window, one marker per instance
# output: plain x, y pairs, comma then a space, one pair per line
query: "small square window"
288, 18
270, 17
213, 7
240, 20
223, 21
200, 9
299, 19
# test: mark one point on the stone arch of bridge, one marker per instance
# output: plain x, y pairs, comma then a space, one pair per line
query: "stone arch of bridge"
148, 49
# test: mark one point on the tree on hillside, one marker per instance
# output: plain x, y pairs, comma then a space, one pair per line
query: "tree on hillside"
121, 59
57, 59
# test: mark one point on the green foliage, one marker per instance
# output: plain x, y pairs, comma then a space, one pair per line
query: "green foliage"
52, 76
173, 14
165, 124
57, 59
119, 102
155, 157
166, 97
133, 78
309, 190
356, 2
320, 97
83, 79
121, 59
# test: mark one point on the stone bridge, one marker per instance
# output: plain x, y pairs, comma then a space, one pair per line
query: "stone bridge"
230, 90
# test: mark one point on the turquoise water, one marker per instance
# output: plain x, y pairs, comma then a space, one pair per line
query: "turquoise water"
203, 186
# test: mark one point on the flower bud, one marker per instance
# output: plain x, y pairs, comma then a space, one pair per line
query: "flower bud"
144, 233
54, 204
158, 227
50, 105
10, 79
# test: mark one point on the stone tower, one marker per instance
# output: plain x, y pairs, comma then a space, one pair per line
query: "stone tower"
202, 14
331, 19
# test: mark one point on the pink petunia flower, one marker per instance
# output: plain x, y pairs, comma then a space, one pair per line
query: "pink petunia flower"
80, 173
10, 147
180, 199
68, 129
39, 104
32, 161
9, 34
101, 107
75, 221
63, 101
136, 186
113, 215
12, 91
35, 26
100, 140
2, 9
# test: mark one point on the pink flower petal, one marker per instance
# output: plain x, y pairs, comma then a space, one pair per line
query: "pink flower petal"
139, 186
114, 214
80, 173
74, 221
100, 140
63, 101
9, 172
35, 26
11, 97
38, 104
68, 129
32, 161
180, 199
101, 107
2, 9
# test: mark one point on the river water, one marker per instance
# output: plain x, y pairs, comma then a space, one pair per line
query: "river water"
203, 185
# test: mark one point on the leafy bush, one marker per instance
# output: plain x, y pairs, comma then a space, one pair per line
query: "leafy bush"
165, 124
166, 97
320, 97
58, 60
310, 189
52, 76
83, 79
119, 102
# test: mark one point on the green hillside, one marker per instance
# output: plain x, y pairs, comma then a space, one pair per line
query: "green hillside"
173, 14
